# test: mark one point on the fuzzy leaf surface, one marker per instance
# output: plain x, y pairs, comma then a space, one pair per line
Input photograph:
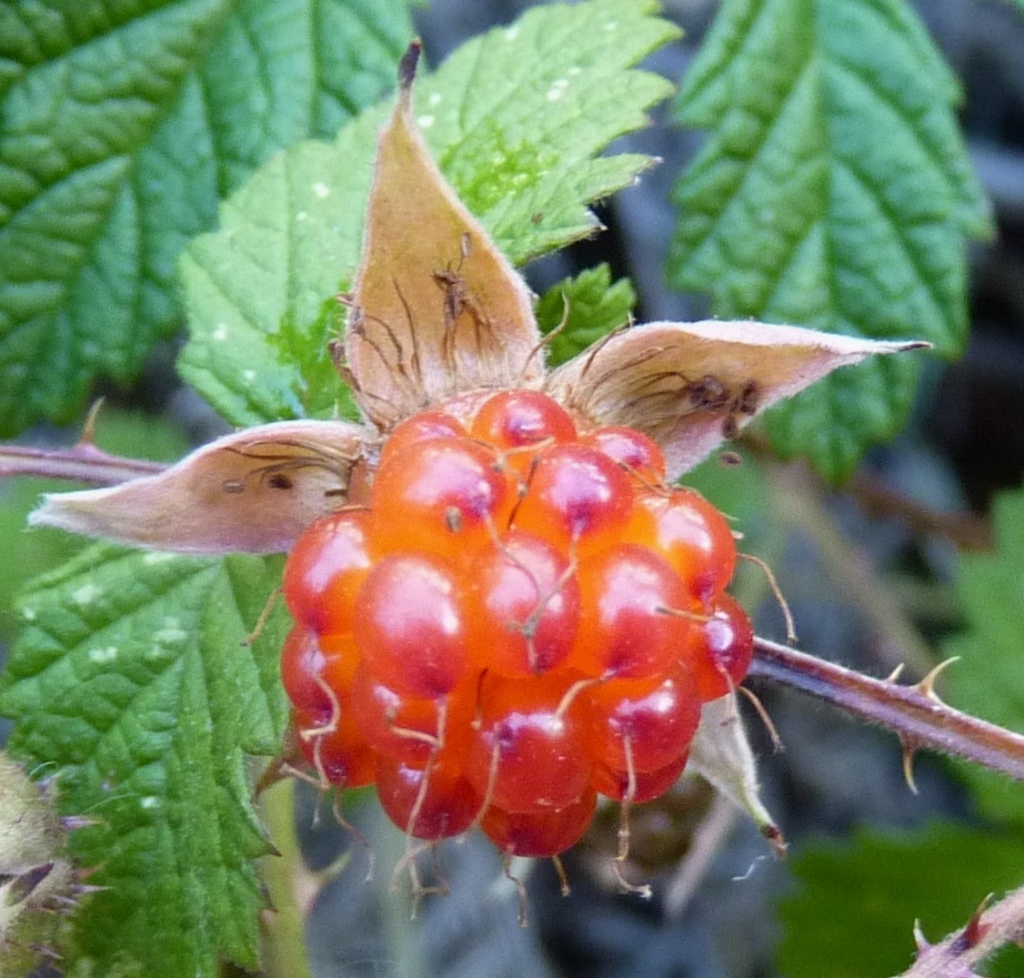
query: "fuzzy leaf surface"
592, 306
878, 885
121, 125
129, 678
988, 681
514, 118
834, 191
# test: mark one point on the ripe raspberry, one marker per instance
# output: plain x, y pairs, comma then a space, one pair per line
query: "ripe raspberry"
646, 723
690, 534
438, 794
538, 834
523, 617
576, 497
325, 571
527, 752
527, 600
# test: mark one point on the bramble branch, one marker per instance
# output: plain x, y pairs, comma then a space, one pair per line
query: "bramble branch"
986, 932
914, 713
83, 463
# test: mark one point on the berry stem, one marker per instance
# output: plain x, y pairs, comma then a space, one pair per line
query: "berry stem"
914, 713
988, 930
83, 463
290, 888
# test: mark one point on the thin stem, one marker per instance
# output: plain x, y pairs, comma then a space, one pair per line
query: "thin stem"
83, 463
284, 875
914, 713
985, 933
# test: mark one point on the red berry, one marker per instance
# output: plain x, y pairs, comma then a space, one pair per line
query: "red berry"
520, 617
527, 603
628, 629
639, 455
441, 494
314, 670
576, 496
722, 654
337, 751
540, 834
443, 801
325, 570
658, 717
527, 754
648, 784
517, 420
408, 728
412, 629
692, 536
426, 426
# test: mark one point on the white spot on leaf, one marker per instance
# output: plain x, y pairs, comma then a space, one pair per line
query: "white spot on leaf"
321, 190
512, 33
557, 89
425, 121
435, 99
102, 656
157, 557
220, 332
150, 801
29, 614
86, 594
171, 633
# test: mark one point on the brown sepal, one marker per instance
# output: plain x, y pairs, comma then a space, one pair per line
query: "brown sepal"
436, 310
692, 385
254, 491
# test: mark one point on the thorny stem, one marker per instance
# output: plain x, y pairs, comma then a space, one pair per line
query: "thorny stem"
83, 463
914, 713
986, 932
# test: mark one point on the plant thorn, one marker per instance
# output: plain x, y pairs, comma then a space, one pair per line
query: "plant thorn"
927, 685
975, 930
910, 749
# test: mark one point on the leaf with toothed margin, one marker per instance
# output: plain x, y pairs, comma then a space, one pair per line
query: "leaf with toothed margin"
580, 310
515, 120
120, 127
855, 903
834, 191
130, 678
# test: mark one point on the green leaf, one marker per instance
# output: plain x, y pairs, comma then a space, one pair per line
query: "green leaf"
514, 118
834, 191
989, 680
591, 306
856, 904
129, 679
120, 127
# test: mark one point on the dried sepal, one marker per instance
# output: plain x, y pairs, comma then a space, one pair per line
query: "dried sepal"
436, 309
720, 753
254, 491
692, 385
